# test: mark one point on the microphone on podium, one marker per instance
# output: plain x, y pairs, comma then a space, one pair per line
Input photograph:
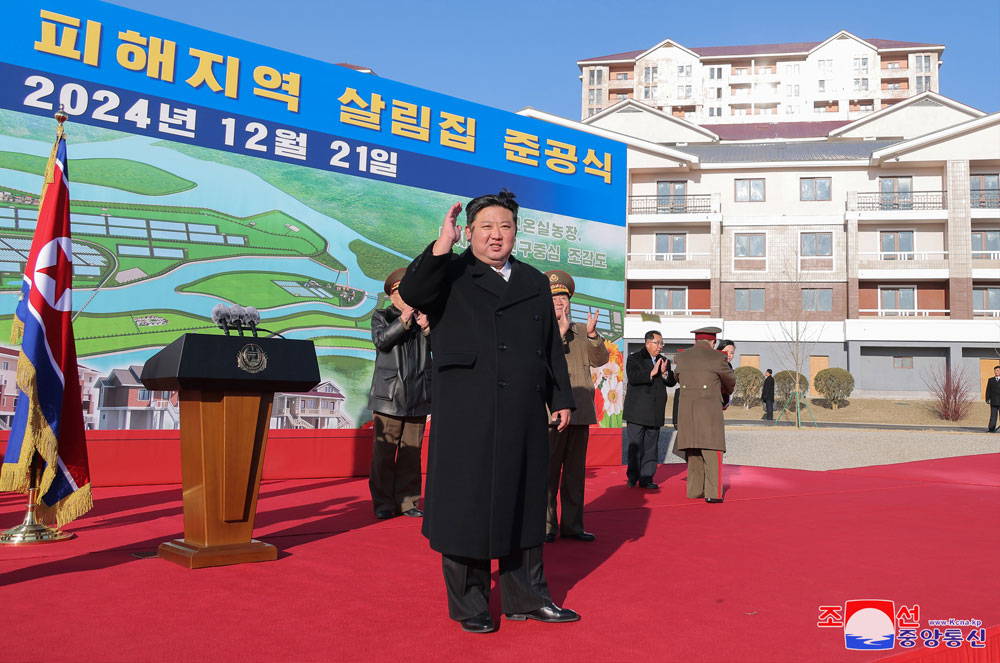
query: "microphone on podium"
221, 317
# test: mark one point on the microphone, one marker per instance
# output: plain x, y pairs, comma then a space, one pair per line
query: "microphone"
252, 318
221, 317
238, 314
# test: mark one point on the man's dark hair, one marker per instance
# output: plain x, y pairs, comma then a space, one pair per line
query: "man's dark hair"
651, 334
768, 371
723, 343
503, 199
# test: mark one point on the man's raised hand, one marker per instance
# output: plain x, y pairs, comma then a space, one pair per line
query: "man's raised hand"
591, 324
450, 231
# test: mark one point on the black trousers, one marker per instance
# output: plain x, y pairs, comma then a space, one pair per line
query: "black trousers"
769, 410
994, 410
522, 584
642, 448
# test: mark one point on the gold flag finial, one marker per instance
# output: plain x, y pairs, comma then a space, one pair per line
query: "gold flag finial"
61, 116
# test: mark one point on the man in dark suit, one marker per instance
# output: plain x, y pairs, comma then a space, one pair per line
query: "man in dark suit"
767, 396
993, 398
498, 362
648, 374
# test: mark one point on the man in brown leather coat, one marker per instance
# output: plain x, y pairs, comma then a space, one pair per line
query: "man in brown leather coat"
584, 349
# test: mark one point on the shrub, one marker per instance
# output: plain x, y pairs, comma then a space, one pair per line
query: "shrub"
836, 384
951, 393
784, 385
749, 381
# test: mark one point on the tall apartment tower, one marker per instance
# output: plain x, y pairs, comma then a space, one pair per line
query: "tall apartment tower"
842, 78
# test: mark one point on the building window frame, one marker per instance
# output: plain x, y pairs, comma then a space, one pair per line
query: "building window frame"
902, 362
750, 297
672, 238
984, 251
683, 289
898, 297
749, 193
898, 252
814, 295
804, 191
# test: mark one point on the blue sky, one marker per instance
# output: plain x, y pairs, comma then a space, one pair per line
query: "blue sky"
523, 53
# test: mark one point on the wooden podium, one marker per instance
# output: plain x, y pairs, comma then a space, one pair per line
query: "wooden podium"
227, 385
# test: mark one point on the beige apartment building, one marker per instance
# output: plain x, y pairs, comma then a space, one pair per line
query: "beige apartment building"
873, 245
844, 77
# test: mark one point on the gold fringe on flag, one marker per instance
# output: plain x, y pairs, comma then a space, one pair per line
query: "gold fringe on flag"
68, 509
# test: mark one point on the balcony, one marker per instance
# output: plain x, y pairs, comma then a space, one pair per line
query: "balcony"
905, 201
985, 313
894, 73
704, 203
904, 312
895, 94
903, 264
669, 260
980, 199
672, 313
619, 83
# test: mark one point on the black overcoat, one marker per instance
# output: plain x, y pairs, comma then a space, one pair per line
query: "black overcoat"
646, 398
767, 392
993, 392
498, 361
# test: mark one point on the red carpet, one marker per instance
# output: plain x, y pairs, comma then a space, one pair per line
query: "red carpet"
668, 579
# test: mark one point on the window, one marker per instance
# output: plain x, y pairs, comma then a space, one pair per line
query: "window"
902, 362
621, 95
814, 188
622, 76
669, 299
143, 395
715, 93
817, 299
671, 243
985, 245
817, 244
892, 86
715, 73
897, 299
649, 75
986, 299
791, 90
821, 86
670, 197
750, 191
861, 84
683, 91
896, 245
590, 97
923, 83
741, 111
5, 365
596, 76
741, 71
715, 111
985, 190
597, 96
749, 245
923, 63
748, 299
894, 64
896, 193
789, 109
866, 107
684, 70
825, 65
861, 65
649, 92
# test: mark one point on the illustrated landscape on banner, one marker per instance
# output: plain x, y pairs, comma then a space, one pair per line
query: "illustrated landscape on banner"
204, 169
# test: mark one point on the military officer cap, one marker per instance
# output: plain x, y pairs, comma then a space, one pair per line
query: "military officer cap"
706, 333
392, 282
561, 283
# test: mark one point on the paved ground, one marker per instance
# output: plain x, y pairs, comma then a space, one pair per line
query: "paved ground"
836, 448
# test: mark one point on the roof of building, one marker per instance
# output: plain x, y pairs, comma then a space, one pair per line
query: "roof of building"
794, 151
127, 377
754, 49
356, 67
763, 130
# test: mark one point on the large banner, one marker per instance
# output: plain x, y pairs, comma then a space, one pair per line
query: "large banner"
206, 169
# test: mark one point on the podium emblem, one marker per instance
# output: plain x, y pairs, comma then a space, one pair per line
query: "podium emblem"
251, 358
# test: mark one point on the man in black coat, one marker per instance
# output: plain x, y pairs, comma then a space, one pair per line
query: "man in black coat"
498, 362
767, 396
648, 374
400, 400
993, 398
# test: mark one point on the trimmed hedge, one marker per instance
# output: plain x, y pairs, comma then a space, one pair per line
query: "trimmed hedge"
836, 384
784, 385
749, 381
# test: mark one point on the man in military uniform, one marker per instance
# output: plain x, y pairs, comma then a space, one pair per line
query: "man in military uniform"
584, 350
704, 376
400, 400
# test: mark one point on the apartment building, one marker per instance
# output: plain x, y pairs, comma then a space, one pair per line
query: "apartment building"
844, 77
873, 245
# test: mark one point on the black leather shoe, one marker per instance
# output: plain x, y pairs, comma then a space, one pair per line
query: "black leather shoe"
631, 484
549, 537
712, 500
414, 513
549, 612
478, 624
649, 486
582, 536
385, 514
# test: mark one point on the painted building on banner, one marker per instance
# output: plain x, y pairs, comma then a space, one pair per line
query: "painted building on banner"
842, 77
213, 170
872, 246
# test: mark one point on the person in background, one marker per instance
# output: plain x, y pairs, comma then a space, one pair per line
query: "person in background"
584, 350
767, 396
648, 374
993, 398
727, 348
400, 400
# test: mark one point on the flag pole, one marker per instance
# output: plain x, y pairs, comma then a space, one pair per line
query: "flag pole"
31, 531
